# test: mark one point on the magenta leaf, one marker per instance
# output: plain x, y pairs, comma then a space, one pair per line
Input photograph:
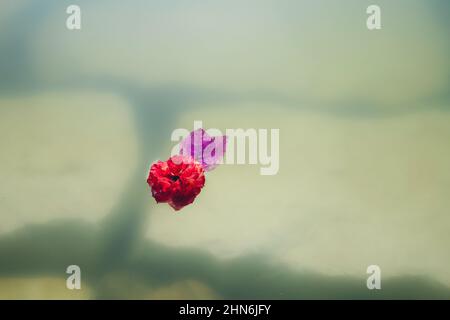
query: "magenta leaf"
207, 150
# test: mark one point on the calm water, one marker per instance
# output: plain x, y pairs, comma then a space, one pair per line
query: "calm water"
364, 149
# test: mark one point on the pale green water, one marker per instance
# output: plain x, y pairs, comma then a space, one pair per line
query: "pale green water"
364, 149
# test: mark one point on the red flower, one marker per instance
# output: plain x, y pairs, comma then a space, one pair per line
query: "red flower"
176, 181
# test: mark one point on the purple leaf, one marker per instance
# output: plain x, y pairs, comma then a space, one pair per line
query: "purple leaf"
207, 150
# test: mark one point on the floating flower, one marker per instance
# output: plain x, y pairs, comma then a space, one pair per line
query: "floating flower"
177, 181
207, 150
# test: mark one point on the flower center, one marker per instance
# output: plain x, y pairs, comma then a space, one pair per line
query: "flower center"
174, 178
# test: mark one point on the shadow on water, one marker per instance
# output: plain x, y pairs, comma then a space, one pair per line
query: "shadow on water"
117, 245
48, 249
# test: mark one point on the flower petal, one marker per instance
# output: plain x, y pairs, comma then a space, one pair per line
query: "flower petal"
207, 150
183, 190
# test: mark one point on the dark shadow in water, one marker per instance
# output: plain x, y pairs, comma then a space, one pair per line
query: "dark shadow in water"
117, 245
48, 250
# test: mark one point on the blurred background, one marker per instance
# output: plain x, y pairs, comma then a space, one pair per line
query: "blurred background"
364, 119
